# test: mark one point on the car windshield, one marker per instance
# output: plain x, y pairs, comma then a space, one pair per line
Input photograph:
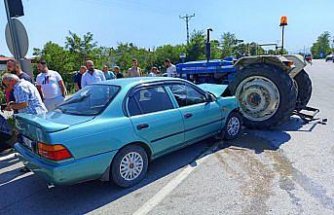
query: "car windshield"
89, 101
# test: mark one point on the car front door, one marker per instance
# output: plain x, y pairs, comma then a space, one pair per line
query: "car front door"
201, 117
155, 119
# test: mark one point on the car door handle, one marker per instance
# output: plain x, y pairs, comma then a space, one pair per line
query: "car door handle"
188, 115
142, 126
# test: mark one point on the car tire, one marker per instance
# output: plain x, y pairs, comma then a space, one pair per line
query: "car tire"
233, 126
129, 166
304, 86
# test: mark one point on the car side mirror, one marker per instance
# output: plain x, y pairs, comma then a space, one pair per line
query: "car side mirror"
209, 97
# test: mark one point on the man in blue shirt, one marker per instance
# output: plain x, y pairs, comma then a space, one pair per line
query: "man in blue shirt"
27, 97
108, 74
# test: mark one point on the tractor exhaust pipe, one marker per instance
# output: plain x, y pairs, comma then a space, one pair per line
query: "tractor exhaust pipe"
208, 45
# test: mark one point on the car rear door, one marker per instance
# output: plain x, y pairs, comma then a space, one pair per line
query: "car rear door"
155, 119
201, 117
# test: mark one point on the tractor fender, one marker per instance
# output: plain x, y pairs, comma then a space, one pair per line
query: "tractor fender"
275, 60
298, 62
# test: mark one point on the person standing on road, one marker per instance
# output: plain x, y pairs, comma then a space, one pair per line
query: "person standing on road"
50, 86
14, 68
78, 76
171, 68
109, 75
27, 97
92, 75
134, 71
117, 72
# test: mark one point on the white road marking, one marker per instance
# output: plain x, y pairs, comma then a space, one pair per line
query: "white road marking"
163, 193
8, 157
23, 175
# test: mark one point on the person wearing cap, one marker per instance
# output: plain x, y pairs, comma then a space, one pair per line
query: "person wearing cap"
134, 71
117, 72
92, 75
109, 75
50, 86
154, 72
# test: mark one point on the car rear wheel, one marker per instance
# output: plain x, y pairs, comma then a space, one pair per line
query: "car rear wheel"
129, 166
233, 126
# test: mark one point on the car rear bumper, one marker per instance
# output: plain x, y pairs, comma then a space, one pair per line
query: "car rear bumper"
67, 172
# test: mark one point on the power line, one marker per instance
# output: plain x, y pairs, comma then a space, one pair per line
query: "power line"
187, 18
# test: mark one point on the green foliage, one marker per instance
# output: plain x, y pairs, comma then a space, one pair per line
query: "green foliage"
228, 43
196, 47
77, 49
322, 45
81, 48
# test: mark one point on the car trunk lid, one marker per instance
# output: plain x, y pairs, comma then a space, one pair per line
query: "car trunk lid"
38, 127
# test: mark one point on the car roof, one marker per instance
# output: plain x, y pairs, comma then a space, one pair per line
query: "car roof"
131, 82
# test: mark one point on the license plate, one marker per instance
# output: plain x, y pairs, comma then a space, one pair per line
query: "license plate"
27, 142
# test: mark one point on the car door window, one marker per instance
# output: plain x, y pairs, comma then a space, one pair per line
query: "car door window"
186, 95
149, 100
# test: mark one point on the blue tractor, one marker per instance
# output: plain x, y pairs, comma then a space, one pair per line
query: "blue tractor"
270, 88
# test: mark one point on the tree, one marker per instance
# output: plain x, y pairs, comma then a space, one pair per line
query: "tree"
228, 43
196, 47
321, 47
81, 47
161, 53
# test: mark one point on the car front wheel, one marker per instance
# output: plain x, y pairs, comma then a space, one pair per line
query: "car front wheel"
233, 126
129, 166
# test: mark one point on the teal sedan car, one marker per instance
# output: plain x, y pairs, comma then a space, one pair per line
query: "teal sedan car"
113, 129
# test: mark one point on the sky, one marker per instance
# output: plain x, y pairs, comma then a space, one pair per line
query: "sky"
150, 23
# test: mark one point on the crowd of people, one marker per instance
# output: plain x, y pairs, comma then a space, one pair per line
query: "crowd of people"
49, 90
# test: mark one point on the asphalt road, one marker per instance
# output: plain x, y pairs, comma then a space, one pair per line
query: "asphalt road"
288, 170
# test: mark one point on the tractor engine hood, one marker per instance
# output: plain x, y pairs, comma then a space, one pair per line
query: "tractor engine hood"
215, 89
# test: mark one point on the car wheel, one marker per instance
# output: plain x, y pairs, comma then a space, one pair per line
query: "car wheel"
129, 166
233, 126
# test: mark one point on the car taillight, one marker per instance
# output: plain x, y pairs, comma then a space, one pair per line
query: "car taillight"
53, 152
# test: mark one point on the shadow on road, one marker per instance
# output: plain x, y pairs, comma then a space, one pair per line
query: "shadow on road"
31, 194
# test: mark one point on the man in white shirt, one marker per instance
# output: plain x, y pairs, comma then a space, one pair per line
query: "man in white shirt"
171, 68
50, 86
92, 75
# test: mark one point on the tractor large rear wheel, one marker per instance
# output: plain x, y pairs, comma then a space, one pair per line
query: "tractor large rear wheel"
304, 86
267, 95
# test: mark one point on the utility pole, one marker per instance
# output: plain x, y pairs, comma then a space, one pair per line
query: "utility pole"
187, 18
